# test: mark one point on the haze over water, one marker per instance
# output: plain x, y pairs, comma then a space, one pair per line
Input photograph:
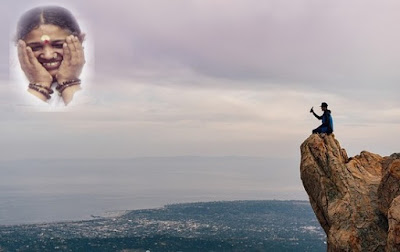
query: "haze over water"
54, 190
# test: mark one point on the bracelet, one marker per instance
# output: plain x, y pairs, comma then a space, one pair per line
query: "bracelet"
60, 85
43, 92
49, 90
63, 87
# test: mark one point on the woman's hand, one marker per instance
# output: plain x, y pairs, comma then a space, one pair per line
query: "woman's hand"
73, 60
33, 70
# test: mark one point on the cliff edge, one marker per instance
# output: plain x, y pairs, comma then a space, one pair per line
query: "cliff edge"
356, 200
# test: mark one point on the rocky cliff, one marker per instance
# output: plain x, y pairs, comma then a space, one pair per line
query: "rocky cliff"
357, 199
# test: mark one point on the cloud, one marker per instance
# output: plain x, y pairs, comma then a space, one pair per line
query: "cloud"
219, 77
144, 119
302, 43
334, 46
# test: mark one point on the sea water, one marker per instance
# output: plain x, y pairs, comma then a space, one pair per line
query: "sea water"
33, 191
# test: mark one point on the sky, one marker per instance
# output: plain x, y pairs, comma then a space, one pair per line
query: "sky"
216, 78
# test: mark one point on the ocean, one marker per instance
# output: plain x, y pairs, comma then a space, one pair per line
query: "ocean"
35, 191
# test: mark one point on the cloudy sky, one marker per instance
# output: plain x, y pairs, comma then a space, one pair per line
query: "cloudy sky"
217, 78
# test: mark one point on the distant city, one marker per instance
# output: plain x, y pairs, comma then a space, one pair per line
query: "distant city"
204, 226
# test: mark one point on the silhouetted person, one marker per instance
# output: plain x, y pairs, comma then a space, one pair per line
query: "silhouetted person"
327, 122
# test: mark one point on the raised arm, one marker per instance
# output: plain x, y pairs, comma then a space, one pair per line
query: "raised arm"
317, 116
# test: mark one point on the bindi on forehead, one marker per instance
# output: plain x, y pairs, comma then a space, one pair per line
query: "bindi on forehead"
45, 39
46, 34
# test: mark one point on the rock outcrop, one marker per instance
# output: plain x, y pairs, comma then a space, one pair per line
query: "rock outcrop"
356, 200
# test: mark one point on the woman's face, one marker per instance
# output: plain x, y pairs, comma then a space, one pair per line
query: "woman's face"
46, 42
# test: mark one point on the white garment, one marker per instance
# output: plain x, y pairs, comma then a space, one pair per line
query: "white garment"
30, 102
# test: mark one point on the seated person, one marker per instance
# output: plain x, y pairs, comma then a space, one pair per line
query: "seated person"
327, 122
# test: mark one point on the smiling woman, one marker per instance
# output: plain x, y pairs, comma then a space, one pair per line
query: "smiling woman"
50, 52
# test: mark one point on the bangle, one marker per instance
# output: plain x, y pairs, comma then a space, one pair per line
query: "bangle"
40, 86
60, 85
63, 87
42, 91
70, 81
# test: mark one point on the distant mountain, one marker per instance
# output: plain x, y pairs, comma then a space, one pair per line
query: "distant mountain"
208, 226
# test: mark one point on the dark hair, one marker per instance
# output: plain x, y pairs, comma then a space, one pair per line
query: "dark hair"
54, 15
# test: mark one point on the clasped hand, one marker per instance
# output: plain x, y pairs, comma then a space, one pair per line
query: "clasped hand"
70, 68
